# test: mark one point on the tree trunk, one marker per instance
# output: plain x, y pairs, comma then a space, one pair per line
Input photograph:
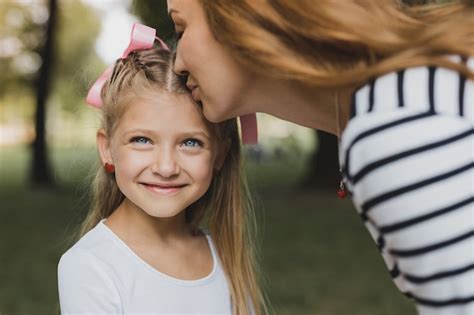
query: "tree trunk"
41, 172
323, 170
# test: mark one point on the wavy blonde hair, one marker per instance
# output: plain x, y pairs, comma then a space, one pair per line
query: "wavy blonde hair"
334, 43
226, 208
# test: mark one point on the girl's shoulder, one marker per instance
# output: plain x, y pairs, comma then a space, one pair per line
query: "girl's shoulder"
95, 248
84, 275
92, 242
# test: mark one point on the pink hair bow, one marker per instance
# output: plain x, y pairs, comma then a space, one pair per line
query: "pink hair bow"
142, 38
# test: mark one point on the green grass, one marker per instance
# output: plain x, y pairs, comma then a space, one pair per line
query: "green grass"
317, 257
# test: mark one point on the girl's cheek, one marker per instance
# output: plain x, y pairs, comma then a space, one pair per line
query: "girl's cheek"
202, 167
129, 159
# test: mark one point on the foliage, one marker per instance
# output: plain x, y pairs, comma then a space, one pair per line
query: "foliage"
77, 31
22, 35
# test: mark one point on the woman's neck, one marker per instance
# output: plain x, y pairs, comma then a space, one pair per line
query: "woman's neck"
318, 108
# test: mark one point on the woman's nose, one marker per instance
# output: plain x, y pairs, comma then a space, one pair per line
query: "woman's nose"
166, 164
178, 66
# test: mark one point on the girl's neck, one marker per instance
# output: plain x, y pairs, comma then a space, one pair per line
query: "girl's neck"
166, 244
318, 108
135, 225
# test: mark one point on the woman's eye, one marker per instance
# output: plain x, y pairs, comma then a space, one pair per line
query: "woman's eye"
192, 143
141, 140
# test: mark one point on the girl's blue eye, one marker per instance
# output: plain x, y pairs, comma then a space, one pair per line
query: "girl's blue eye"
192, 143
141, 140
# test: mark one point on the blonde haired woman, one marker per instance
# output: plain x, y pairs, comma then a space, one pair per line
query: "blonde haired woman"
395, 84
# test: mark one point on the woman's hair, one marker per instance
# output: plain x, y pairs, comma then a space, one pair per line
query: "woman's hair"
333, 43
225, 208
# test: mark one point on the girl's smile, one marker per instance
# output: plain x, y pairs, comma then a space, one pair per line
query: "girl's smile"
164, 189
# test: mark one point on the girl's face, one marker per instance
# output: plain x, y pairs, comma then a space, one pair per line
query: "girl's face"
163, 152
215, 77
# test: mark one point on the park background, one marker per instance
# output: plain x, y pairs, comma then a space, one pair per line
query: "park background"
316, 256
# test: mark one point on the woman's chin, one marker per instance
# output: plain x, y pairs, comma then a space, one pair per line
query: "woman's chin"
211, 115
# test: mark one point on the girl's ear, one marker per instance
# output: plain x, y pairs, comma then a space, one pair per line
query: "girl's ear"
104, 147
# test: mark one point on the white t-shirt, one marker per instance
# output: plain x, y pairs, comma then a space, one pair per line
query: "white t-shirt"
100, 274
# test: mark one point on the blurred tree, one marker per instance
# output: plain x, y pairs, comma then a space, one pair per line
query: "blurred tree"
78, 28
417, 2
323, 169
29, 35
20, 43
40, 171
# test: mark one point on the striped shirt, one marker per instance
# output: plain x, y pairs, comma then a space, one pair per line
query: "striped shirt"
407, 158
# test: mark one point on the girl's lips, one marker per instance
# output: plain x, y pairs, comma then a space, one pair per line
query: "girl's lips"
164, 190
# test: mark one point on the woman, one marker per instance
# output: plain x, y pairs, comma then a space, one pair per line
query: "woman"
395, 84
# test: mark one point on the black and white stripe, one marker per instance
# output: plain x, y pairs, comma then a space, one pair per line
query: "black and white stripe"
407, 156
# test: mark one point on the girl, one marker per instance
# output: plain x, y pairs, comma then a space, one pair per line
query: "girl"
395, 84
165, 172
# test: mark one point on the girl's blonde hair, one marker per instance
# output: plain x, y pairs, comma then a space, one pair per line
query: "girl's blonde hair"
225, 208
334, 43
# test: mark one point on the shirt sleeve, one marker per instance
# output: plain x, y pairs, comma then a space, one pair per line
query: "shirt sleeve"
412, 179
84, 286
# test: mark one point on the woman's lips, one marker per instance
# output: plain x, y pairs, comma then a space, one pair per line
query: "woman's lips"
195, 94
164, 190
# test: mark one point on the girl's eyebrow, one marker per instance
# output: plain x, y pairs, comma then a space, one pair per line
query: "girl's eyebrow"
137, 131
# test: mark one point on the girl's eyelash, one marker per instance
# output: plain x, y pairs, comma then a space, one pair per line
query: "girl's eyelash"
197, 141
190, 142
138, 139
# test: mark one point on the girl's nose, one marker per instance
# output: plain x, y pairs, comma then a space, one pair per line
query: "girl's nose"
165, 164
